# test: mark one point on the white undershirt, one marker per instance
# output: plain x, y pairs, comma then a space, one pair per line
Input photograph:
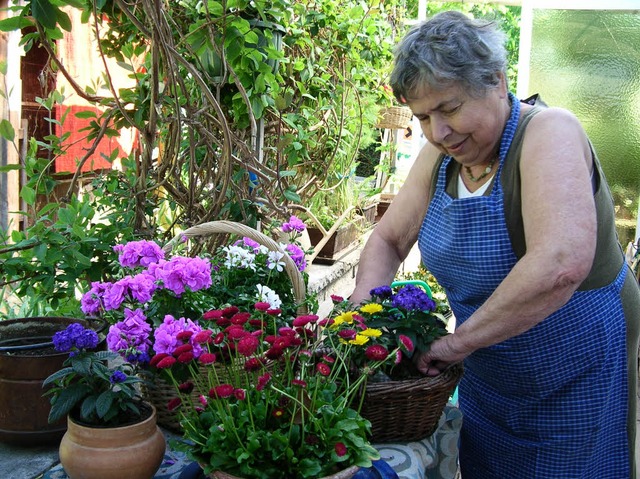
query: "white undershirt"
463, 191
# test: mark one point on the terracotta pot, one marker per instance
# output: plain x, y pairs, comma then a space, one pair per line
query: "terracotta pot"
27, 358
344, 474
134, 451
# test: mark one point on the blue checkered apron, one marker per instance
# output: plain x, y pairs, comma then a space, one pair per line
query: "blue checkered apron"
550, 403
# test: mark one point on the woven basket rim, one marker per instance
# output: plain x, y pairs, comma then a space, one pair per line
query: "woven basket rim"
394, 117
231, 227
442, 381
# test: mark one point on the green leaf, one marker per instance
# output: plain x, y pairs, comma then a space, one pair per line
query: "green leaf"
14, 23
86, 114
63, 20
6, 168
44, 12
104, 402
292, 196
6, 130
28, 194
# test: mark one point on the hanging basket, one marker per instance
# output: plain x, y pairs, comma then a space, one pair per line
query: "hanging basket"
158, 391
394, 117
408, 410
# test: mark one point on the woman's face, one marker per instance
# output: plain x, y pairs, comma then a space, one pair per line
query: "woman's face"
460, 125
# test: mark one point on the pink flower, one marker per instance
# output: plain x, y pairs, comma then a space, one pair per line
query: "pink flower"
213, 314
173, 404
185, 357
253, 364
240, 394
302, 321
323, 369
337, 299
166, 362
186, 387
203, 400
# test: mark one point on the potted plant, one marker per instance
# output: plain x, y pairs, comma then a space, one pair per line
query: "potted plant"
110, 428
156, 293
27, 357
286, 407
401, 403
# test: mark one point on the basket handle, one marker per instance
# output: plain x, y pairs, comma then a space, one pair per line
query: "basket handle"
415, 282
215, 227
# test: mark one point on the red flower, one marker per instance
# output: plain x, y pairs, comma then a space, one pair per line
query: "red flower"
376, 352
253, 364
256, 323
323, 369
240, 318
186, 387
274, 353
286, 331
247, 346
341, 449
183, 348
157, 358
213, 314
203, 336
278, 413
230, 311
240, 394
282, 342
219, 338
337, 299
347, 333
184, 335
207, 358
221, 391
263, 381
262, 306
328, 359
173, 404
166, 362
301, 321
236, 332
203, 400
299, 382
406, 342
326, 322
186, 357
274, 312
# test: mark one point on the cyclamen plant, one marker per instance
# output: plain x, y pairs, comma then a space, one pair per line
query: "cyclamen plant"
97, 387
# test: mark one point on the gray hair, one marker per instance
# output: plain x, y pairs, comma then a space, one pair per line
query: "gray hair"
449, 49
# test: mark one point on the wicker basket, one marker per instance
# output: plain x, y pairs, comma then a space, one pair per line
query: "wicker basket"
158, 391
409, 410
394, 117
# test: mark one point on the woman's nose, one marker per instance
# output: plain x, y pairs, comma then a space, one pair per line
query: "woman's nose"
440, 129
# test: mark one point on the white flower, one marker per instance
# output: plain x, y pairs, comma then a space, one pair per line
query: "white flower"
240, 257
273, 261
267, 295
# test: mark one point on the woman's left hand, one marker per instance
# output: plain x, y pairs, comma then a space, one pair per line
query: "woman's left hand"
441, 354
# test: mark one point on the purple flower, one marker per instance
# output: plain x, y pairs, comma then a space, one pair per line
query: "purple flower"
182, 272
294, 224
132, 333
138, 253
75, 335
118, 377
91, 302
412, 298
297, 255
251, 244
382, 292
142, 287
115, 293
166, 335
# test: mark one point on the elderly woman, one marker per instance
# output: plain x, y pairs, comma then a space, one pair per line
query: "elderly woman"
513, 216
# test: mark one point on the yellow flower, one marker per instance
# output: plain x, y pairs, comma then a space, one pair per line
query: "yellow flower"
359, 340
371, 332
343, 318
371, 308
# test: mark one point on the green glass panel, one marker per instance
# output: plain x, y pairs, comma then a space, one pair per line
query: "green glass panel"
588, 61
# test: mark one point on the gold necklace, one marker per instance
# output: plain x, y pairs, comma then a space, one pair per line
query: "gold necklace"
482, 175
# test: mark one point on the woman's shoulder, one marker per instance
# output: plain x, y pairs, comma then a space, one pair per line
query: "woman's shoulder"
553, 123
